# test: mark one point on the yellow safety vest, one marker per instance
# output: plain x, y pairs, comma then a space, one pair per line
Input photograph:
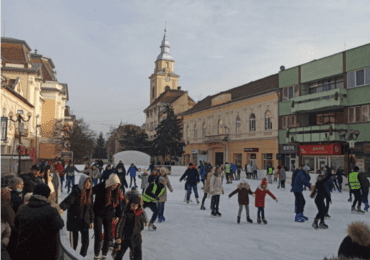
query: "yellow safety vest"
147, 198
227, 168
353, 181
270, 171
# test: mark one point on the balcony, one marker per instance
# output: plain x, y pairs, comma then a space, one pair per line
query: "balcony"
215, 138
319, 133
320, 101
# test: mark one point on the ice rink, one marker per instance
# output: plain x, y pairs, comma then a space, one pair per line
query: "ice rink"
191, 233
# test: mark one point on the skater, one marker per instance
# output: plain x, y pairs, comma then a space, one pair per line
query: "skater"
153, 176
328, 186
206, 189
107, 210
121, 173
216, 190
151, 197
127, 198
70, 172
238, 171
248, 170
254, 170
270, 171
233, 172
144, 180
364, 183
192, 180
320, 191
163, 196
80, 216
106, 173
95, 174
59, 170
276, 174
151, 166
202, 172
243, 190
299, 180
282, 177
227, 172
260, 195
339, 175
355, 187
132, 171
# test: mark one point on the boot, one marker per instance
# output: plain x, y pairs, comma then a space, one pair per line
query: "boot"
300, 218
202, 207
350, 199
197, 200
213, 214
264, 221
339, 190
97, 257
296, 217
238, 220
366, 207
305, 218
323, 225
249, 220
353, 210
104, 257
315, 225
258, 220
360, 211
327, 216
152, 227
218, 213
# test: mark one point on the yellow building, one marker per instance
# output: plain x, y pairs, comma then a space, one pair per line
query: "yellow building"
238, 126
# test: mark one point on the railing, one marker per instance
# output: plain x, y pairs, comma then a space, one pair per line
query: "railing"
66, 252
216, 138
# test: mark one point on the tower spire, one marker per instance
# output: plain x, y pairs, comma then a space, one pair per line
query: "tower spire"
165, 47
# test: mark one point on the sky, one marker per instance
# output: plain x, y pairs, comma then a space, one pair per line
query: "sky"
105, 50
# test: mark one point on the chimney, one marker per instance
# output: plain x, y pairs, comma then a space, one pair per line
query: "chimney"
179, 88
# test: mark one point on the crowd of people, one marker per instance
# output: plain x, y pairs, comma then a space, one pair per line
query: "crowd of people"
31, 215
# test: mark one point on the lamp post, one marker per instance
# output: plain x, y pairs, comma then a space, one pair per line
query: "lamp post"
352, 136
37, 116
19, 119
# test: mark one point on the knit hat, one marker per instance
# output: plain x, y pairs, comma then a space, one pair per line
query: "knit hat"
264, 182
42, 189
134, 199
357, 243
15, 182
161, 179
113, 179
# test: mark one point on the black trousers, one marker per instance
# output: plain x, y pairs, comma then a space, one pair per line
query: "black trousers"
204, 199
99, 222
300, 202
321, 207
215, 203
132, 178
153, 207
84, 240
357, 194
282, 184
124, 246
327, 204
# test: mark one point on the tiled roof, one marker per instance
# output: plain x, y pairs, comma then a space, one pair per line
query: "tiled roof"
12, 52
13, 40
169, 96
253, 88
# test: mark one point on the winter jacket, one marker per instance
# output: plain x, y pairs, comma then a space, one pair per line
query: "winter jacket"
216, 185
149, 195
144, 181
163, 197
202, 172
260, 196
78, 217
192, 175
243, 190
357, 243
132, 171
70, 171
151, 178
329, 184
300, 180
122, 177
105, 175
100, 201
38, 225
364, 182
95, 173
56, 183
59, 168
16, 199
207, 185
282, 174
321, 189
294, 175
5, 233
339, 174
30, 182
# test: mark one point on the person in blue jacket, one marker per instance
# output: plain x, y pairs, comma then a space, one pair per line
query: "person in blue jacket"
297, 187
132, 171
192, 179
202, 173
106, 173
233, 171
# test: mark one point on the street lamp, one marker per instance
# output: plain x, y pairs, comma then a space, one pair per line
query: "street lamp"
37, 116
19, 119
352, 136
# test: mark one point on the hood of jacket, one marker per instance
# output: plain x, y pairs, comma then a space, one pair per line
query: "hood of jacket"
37, 201
359, 232
82, 180
243, 185
113, 179
260, 187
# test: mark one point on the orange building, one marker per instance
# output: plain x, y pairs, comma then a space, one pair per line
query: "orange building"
238, 126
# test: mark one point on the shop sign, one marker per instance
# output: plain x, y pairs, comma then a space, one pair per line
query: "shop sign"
250, 149
194, 151
323, 149
289, 148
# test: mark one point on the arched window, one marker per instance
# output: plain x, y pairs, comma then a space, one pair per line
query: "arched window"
167, 88
237, 125
167, 65
195, 131
219, 127
252, 123
187, 132
153, 92
204, 130
268, 123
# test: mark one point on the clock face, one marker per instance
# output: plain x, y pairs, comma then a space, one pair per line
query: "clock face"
167, 78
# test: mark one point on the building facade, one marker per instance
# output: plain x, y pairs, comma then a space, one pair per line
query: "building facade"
323, 109
238, 126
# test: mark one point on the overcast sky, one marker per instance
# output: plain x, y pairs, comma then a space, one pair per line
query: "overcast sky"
105, 50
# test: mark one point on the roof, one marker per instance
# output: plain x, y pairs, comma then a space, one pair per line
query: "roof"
169, 96
47, 66
13, 40
248, 90
65, 89
17, 95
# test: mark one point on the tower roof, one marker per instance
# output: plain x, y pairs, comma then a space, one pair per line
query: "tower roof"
165, 49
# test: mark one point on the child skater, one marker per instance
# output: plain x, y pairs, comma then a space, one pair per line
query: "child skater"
243, 190
260, 193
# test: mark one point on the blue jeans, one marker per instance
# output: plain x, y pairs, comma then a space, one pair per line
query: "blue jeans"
195, 191
95, 181
365, 193
69, 180
61, 181
260, 211
340, 185
160, 209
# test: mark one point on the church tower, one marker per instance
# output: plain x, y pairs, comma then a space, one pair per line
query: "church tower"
164, 77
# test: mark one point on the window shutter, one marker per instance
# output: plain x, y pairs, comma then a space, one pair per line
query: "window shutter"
367, 76
351, 79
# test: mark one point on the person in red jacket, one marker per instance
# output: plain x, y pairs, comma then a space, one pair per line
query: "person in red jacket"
260, 193
58, 166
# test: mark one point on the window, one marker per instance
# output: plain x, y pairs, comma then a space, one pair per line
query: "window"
289, 121
326, 85
153, 92
151, 113
267, 160
195, 131
4, 111
325, 119
204, 130
284, 122
237, 125
187, 132
293, 120
290, 92
252, 123
167, 88
360, 77
219, 127
268, 123
354, 114
167, 65
365, 113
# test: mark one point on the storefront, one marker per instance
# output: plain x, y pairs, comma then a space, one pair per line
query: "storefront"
361, 156
251, 155
289, 156
316, 157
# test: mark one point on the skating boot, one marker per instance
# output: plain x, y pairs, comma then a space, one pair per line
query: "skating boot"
97, 257
323, 225
327, 216
366, 207
152, 227
187, 202
264, 221
197, 200
238, 220
213, 214
350, 199
315, 225
202, 208
304, 217
258, 220
360, 211
104, 257
278, 187
339, 190
300, 217
160, 220
249, 220
218, 214
353, 210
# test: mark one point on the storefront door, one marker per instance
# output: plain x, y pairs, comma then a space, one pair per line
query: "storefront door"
321, 162
219, 158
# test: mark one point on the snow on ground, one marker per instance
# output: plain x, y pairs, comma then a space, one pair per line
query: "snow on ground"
191, 233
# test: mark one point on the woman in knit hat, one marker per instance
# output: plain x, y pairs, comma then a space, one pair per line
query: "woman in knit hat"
48, 181
260, 193
16, 185
106, 209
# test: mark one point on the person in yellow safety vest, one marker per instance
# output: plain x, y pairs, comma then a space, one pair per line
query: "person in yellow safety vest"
227, 172
269, 173
151, 197
355, 186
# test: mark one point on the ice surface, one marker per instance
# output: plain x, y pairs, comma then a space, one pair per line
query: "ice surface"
191, 233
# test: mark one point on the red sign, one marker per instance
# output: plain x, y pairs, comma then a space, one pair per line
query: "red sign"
320, 149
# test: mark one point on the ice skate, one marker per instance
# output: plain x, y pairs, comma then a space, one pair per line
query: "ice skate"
249, 220
218, 214
353, 210
259, 220
97, 257
350, 199
264, 221
323, 225
187, 202
304, 217
315, 225
238, 220
327, 216
104, 257
366, 207
202, 208
151, 227
160, 220
197, 200
360, 211
163, 219
213, 214
300, 218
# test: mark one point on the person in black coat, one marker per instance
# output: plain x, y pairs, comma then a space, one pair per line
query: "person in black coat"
321, 193
128, 230
192, 179
16, 185
80, 216
31, 179
106, 207
151, 167
38, 225
106, 173
121, 173
153, 176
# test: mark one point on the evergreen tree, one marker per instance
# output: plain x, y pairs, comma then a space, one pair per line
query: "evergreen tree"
131, 140
168, 140
100, 149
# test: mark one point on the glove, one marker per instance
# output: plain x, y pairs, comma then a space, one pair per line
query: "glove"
117, 247
254, 195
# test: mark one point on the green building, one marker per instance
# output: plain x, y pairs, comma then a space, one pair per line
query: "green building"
324, 112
